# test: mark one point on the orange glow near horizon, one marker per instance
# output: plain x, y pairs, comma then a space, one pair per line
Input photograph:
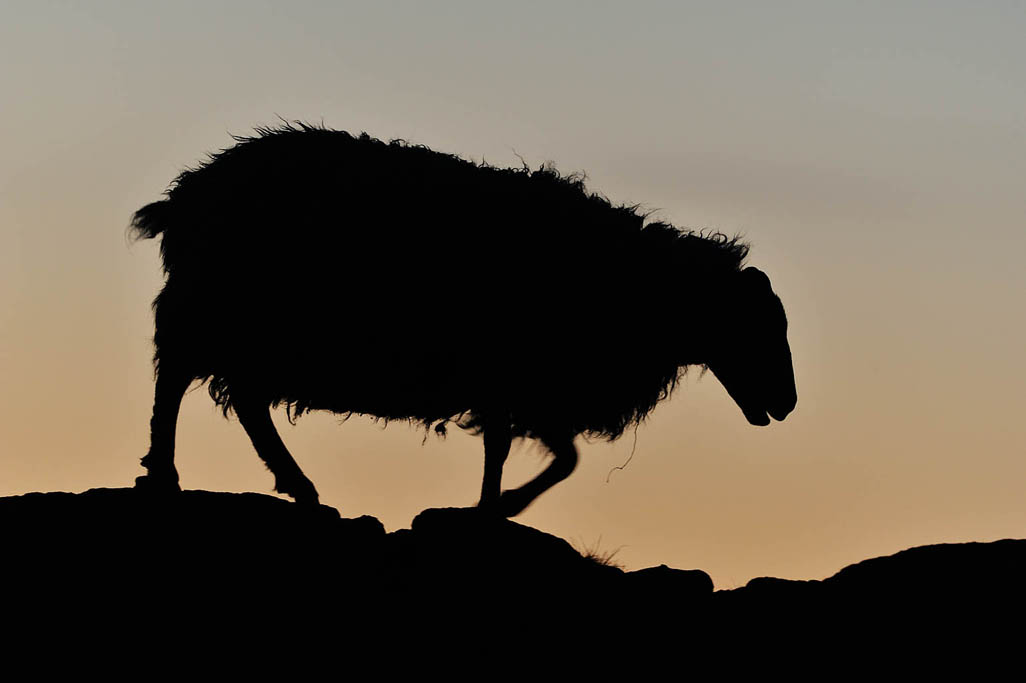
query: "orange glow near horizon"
873, 161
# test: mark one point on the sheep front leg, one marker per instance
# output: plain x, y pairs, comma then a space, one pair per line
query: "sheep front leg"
515, 501
497, 440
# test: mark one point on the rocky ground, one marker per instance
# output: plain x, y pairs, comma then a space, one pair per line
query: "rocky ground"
220, 556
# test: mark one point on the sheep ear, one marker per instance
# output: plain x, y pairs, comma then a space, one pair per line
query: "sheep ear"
755, 279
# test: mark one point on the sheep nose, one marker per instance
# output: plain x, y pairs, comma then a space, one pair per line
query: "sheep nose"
784, 407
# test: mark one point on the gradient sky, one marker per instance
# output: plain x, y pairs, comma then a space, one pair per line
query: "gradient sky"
873, 153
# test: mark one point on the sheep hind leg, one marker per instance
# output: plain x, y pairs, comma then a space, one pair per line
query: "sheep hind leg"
159, 462
288, 478
497, 440
515, 501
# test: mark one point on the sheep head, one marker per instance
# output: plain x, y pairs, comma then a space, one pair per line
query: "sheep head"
750, 354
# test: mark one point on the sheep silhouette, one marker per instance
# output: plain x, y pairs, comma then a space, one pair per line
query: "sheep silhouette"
318, 270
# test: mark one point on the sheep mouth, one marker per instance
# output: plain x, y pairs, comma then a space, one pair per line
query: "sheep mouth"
759, 417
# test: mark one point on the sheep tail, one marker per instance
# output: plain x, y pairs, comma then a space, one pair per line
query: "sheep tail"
151, 220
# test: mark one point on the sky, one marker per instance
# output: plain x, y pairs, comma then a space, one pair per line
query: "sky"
872, 153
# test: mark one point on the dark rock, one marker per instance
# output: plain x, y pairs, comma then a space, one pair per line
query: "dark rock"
219, 556
665, 588
694, 581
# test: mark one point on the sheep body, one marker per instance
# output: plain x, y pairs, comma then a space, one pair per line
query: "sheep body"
318, 270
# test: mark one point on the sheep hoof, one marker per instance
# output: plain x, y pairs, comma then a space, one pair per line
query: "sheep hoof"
513, 502
490, 507
157, 485
313, 501
300, 490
